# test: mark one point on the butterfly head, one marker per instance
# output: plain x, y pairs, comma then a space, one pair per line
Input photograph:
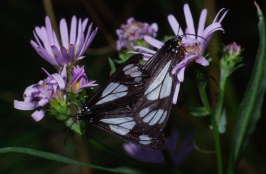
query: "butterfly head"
84, 114
173, 45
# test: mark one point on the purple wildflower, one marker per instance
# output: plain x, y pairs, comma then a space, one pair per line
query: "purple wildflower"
79, 79
133, 31
73, 46
231, 59
232, 50
39, 95
193, 43
151, 156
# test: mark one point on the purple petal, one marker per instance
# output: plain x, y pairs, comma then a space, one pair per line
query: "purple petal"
80, 58
147, 50
38, 115
202, 61
90, 84
189, 21
56, 43
80, 44
218, 14
73, 30
145, 55
181, 74
29, 90
84, 24
154, 27
65, 55
88, 41
43, 53
64, 72
154, 42
43, 102
202, 21
38, 33
49, 31
37, 38
87, 38
71, 52
207, 33
145, 155
43, 91
79, 34
23, 105
175, 25
64, 33
45, 40
58, 56
59, 79
177, 87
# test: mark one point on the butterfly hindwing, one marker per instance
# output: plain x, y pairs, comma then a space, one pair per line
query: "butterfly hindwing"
121, 123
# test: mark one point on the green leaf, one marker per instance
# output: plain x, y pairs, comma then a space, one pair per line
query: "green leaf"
250, 107
112, 65
62, 159
199, 112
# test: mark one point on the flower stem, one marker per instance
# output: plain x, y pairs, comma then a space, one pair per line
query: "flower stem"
217, 146
205, 101
201, 88
215, 121
219, 107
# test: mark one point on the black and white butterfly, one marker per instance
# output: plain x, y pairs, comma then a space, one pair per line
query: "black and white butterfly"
136, 101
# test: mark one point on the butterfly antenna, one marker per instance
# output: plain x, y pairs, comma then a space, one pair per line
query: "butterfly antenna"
68, 131
197, 36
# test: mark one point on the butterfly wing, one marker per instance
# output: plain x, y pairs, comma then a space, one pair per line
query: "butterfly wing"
124, 86
153, 107
142, 120
111, 108
135, 103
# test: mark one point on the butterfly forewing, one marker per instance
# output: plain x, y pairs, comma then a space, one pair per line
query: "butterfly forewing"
153, 107
124, 86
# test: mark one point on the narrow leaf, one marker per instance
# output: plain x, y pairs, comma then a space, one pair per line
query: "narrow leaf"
250, 107
112, 65
62, 159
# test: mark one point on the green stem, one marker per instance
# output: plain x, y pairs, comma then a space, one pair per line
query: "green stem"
204, 98
216, 120
205, 101
219, 107
217, 146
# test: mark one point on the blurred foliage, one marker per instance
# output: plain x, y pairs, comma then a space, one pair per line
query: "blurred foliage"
21, 66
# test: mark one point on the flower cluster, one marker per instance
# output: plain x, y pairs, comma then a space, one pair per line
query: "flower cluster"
132, 32
52, 92
231, 59
194, 43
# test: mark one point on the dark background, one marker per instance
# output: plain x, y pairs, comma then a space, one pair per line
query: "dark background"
21, 66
